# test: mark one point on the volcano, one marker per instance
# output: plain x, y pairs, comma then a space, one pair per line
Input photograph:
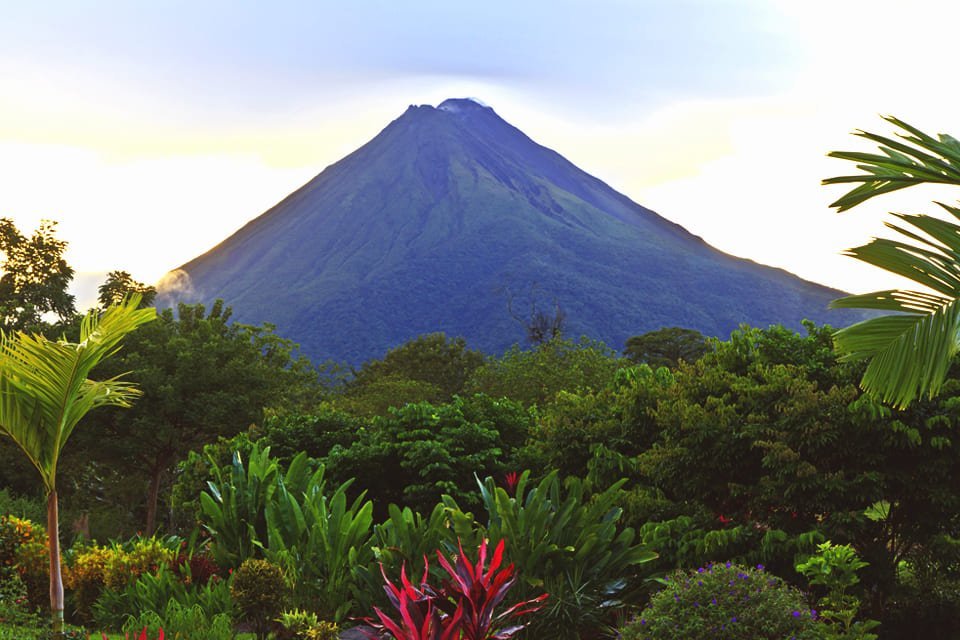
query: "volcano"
453, 220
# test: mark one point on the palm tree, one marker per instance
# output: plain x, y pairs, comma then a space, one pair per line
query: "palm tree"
910, 350
45, 392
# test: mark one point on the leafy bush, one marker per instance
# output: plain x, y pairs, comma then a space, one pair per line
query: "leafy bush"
567, 543
835, 568
421, 451
92, 568
142, 555
259, 591
14, 606
153, 592
291, 519
404, 539
24, 551
26, 508
535, 376
182, 623
234, 506
84, 577
303, 625
725, 601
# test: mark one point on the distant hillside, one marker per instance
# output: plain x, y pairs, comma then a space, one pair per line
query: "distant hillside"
451, 212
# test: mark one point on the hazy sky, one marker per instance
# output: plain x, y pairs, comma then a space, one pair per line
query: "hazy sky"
152, 130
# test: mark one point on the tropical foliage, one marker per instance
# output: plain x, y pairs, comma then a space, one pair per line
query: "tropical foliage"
45, 392
911, 349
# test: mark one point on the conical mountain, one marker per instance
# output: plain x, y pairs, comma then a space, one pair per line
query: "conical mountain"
453, 220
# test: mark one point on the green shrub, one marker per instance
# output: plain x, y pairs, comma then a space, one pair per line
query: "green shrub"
23, 551
259, 590
567, 543
303, 625
290, 518
153, 592
40, 632
181, 623
27, 508
835, 568
725, 601
14, 607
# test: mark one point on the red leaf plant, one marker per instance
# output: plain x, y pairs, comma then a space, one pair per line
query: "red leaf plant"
479, 593
462, 609
420, 618
511, 479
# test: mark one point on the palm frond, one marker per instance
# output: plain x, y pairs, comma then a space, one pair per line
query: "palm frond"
44, 384
920, 159
909, 354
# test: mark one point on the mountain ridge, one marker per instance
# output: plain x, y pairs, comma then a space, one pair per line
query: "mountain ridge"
417, 230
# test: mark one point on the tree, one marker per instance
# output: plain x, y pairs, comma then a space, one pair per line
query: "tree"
120, 284
45, 392
535, 376
539, 325
35, 277
909, 351
666, 347
203, 377
443, 362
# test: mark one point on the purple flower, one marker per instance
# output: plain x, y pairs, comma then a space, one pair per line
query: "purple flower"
796, 614
760, 567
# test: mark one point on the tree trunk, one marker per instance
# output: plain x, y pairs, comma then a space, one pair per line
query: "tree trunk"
56, 580
152, 495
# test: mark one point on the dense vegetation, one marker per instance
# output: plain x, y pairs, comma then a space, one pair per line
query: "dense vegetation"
690, 488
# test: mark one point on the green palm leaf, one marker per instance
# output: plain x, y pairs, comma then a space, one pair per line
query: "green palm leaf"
44, 388
909, 352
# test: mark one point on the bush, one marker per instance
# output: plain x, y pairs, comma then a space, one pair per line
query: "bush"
725, 601
566, 542
24, 507
319, 537
91, 569
303, 625
182, 623
23, 551
258, 590
153, 592
14, 607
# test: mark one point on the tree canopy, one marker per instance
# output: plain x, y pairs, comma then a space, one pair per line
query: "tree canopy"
35, 277
666, 347
202, 377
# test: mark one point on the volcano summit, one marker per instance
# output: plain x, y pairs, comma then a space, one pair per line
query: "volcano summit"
450, 219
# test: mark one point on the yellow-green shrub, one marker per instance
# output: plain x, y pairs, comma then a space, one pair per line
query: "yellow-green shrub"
84, 577
24, 550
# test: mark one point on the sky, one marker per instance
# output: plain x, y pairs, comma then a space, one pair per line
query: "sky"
150, 131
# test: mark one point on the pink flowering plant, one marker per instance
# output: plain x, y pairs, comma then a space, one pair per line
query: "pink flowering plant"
725, 601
